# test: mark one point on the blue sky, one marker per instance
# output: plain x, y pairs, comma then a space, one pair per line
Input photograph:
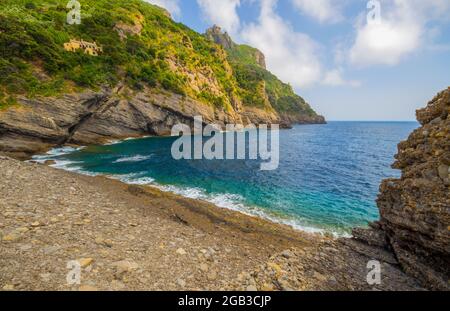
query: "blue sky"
350, 59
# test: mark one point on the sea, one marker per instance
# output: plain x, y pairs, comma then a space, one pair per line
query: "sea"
327, 180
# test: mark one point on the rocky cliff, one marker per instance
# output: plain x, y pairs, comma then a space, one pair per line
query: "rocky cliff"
260, 90
152, 72
415, 209
219, 37
222, 38
97, 117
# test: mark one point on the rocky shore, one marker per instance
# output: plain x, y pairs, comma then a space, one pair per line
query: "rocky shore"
138, 238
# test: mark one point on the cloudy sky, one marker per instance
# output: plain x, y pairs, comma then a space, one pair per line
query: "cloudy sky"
350, 59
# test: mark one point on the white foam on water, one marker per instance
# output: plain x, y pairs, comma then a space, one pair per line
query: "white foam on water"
234, 202
133, 180
118, 141
137, 158
67, 165
224, 200
55, 152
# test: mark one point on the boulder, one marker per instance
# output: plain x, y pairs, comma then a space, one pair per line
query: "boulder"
415, 209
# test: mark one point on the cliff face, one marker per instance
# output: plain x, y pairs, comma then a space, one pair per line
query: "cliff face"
261, 91
415, 209
151, 73
223, 39
216, 35
90, 117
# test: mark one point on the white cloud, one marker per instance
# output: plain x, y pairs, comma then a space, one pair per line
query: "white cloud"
325, 11
222, 12
291, 55
334, 78
170, 5
400, 32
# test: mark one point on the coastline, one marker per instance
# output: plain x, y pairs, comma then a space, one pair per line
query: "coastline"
128, 234
44, 158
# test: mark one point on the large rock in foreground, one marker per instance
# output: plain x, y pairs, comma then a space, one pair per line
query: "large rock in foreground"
415, 209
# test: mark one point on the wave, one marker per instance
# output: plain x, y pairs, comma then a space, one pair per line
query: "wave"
54, 153
134, 179
137, 158
223, 200
234, 202
118, 141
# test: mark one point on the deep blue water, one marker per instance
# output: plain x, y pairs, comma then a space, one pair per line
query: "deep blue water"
327, 180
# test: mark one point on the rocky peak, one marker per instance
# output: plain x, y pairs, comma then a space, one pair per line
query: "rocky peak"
220, 37
217, 35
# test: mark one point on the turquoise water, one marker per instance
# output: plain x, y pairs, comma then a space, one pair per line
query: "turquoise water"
327, 180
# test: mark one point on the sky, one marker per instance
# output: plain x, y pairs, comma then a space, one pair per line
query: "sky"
350, 59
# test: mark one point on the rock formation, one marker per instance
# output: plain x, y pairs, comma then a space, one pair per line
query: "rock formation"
415, 209
222, 38
216, 34
97, 117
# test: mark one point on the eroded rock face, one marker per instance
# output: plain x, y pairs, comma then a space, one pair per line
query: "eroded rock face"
415, 209
216, 35
220, 37
97, 117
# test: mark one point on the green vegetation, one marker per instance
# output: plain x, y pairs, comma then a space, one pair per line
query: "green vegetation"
34, 62
256, 83
158, 53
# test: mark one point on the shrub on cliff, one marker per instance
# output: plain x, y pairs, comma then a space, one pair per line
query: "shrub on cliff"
142, 46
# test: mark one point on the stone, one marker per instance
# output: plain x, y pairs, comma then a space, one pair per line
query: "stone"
84, 262
87, 288
286, 254
267, 287
35, 224
48, 250
117, 285
444, 171
251, 288
45, 276
275, 267
204, 267
22, 230
181, 282
104, 242
319, 276
285, 286
212, 275
25, 247
10, 237
8, 287
181, 251
124, 266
